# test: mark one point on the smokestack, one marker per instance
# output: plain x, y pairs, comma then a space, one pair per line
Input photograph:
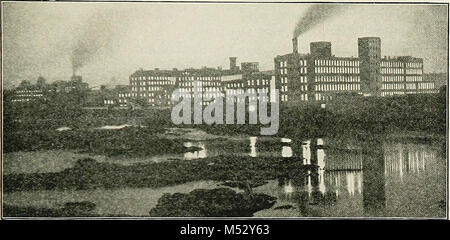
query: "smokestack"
233, 63
295, 45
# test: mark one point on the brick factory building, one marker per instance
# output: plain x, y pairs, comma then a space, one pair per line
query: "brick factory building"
261, 82
320, 76
41, 90
153, 86
156, 86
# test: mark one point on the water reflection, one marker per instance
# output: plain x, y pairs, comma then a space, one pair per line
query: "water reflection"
373, 177
306, 152
404, 159
286, 151
361, 180
253, 147
369, 178
203, 153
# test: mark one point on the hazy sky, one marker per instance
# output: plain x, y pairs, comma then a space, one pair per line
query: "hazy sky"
112, 40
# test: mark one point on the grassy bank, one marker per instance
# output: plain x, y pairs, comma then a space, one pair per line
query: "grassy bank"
90, 174
129, 141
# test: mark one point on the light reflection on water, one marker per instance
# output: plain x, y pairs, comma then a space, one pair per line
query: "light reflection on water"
286, 151
253, 147
385, 178
203, 153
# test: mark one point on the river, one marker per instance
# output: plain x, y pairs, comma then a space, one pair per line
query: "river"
394, 177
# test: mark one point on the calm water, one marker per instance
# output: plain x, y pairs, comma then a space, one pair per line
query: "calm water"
398, 178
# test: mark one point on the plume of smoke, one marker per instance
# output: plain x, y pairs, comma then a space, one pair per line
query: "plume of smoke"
94, 38
316, 14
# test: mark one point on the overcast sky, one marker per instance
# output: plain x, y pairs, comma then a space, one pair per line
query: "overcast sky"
115, 39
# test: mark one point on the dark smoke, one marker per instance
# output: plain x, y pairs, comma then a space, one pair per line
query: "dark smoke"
94, 38
315, 15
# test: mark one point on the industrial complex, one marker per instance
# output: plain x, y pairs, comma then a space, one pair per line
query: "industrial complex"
301, 78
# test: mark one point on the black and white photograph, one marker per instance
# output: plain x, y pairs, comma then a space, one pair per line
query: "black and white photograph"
224, 110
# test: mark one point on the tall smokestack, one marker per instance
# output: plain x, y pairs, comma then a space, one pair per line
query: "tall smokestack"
295, 45
233, 63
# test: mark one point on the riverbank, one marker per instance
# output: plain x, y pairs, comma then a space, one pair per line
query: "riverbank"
90, 174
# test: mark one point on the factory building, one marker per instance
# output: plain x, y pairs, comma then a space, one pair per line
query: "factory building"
156, 86
41, 90
259, 82
209, 80
404, 75
153, 86
27, 92
320, 76
124, 95
250, 67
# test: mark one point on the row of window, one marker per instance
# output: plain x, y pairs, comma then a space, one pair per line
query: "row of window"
410, 86
147, 94
211, 95
391, 64
192, 78
28, 91
257, 82
325, 78
391, 70
301, 70
343, 63
413, 65
391, 93
413, 71
152, 78
301, 62
392, 78
426, 85
150, 95
304, 97
428, 91
342, 70
204, 89
152, 83
322, 97
30, 95
337, 87
414, 78
392, 86
22, 100
235, 85
190, 84
284, 80
135, 89
210, 83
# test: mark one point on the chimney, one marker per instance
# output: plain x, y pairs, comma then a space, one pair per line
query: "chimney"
233, 63
295, 45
